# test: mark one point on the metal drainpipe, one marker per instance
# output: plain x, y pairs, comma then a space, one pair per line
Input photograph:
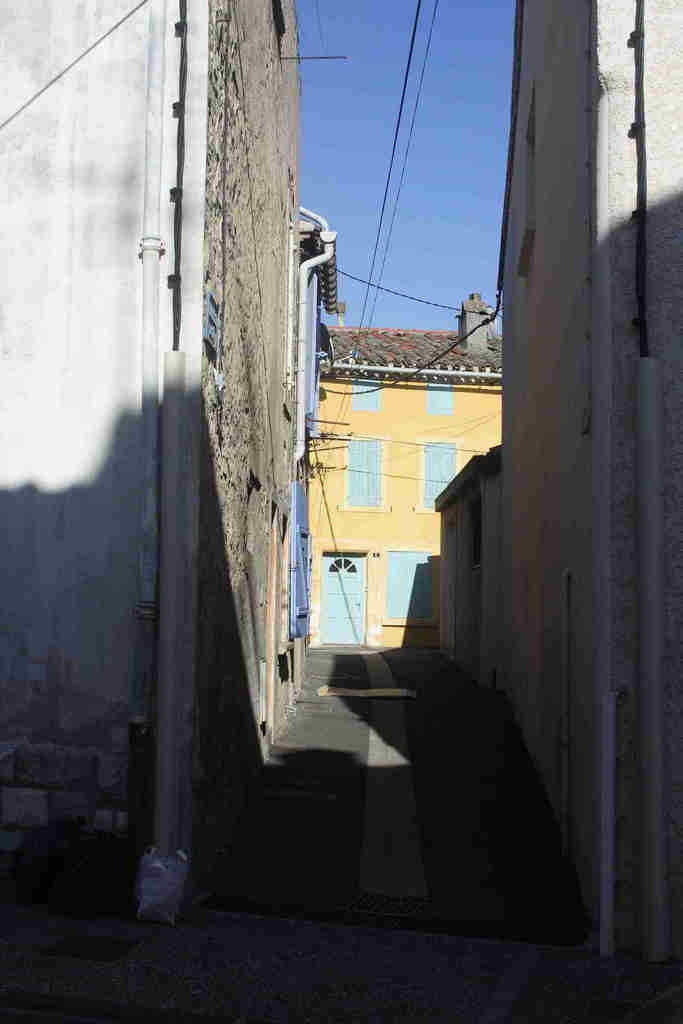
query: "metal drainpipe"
328, 239
650, 534
601, 386
151, 250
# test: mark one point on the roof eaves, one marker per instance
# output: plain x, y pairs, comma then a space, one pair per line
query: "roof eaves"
489, 464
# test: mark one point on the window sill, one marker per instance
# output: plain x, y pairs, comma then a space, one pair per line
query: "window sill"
364, 508
425, 511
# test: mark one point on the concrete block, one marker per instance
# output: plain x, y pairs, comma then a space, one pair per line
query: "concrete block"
119, 739
8, 758
72, 804
112, 774
80, 768
24, 808
104, 819
28, 765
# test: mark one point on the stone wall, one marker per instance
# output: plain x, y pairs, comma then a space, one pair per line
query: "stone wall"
247, 428
42, 781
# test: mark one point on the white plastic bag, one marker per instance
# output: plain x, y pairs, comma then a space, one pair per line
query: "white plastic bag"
160, 885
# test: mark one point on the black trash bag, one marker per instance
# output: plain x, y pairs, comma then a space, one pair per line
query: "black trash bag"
97, 878
42, 855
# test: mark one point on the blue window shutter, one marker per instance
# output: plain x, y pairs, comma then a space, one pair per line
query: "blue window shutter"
364, 473
364, 398
440, 400
409, 585
439, 470
299, 567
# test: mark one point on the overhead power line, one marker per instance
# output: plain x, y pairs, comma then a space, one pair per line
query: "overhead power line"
387, 244
73, 63
393, 154
437, 358
403, 295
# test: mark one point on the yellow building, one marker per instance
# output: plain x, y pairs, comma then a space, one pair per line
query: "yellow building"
387, 443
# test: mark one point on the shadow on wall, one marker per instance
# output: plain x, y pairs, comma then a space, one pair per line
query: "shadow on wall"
423, 604
70, 652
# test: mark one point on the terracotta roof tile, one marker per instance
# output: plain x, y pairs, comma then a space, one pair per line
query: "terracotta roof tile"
383, 346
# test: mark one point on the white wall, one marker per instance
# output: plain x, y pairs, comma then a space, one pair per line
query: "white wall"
569, 432
72, 166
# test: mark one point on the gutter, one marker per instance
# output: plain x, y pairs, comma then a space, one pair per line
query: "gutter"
486, 374
328, 238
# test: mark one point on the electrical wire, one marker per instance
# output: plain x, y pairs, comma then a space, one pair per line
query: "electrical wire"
393, 154
387, 243
174, 280
320, 24
331, 436
403, 295
73, 63
425, 366
396, 476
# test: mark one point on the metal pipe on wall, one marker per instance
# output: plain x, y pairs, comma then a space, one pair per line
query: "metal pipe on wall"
171, 601
328, 239
654, 838
601, 388
140, 769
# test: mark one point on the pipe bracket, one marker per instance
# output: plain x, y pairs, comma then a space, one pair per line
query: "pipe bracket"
151, 243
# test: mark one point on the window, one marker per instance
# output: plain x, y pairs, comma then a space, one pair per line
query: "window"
439, 462
364, 398
440, 400
409, 585
364, 473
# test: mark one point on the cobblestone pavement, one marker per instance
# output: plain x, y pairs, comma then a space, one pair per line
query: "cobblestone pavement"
309, 920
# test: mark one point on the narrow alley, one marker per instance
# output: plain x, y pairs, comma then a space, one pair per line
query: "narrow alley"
388, 810
423, 881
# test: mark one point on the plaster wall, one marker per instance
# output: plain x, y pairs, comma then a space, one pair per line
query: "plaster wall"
561, 414
400, 522
471, 593
546, 489
70, 308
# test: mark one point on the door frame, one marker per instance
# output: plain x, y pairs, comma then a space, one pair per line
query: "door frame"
323, 592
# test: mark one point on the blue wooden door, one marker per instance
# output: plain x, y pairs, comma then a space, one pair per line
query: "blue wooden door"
343, 610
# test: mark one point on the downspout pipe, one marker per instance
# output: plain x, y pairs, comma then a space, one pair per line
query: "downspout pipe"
655, 909
602, 386
140, 785
151, 250
317, 218
328, 239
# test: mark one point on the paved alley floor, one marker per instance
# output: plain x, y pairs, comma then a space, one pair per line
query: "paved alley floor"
400, 864
424, 813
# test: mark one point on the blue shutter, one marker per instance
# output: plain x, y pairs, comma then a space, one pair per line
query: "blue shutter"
439, 470
409, 585
299, 564
364, 398
364, 473
440, 400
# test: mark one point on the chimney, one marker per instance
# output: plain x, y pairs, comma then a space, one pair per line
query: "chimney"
473, 311
341, 313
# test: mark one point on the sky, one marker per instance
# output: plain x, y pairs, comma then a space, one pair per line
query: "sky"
445, 238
